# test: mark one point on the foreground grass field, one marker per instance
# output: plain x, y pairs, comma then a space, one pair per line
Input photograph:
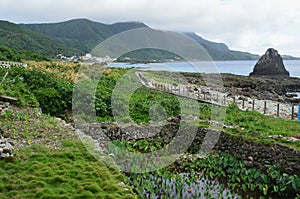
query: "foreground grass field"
51, 162
71, 172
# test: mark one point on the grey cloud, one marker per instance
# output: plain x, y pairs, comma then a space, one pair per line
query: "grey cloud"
242, 24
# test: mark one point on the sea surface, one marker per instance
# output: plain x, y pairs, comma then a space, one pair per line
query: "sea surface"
234, 67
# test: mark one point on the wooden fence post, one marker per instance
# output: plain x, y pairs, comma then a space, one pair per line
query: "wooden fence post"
293, 112
233, 99
243, 103
253, 104
265, 107
277, 110
298, 112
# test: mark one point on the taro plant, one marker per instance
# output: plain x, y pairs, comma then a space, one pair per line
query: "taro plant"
226, 167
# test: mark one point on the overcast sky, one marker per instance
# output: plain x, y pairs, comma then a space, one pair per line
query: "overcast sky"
246, 25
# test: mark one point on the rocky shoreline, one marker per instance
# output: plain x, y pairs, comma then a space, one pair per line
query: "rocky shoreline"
262, 88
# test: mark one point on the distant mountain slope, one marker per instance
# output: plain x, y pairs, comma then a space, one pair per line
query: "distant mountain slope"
19, 38
288, 57
85, 34
220, 51
82, 34
124, 26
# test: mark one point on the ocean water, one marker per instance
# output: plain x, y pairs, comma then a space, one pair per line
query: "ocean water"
234, 67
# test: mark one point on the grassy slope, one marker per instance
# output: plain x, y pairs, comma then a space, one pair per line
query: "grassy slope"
67, 173
51, 162
252, 121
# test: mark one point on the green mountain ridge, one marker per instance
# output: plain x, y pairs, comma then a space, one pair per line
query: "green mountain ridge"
20, 38
220, 51
80, 36
85, 34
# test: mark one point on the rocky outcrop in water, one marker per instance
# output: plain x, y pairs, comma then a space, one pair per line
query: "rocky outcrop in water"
270, 64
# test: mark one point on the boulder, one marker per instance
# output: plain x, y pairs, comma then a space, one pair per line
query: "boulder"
270, 64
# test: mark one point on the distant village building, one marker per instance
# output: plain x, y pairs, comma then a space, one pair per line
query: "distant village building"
87, 58
91, 58
67, 59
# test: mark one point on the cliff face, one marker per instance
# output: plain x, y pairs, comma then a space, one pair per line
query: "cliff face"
270, 64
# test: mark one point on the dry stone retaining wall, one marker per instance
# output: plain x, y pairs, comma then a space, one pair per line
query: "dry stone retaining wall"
253, 154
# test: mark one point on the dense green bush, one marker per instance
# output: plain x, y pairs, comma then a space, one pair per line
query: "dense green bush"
140, 101
33, 86
10, 54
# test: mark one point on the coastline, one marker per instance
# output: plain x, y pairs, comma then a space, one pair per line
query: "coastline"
242, 67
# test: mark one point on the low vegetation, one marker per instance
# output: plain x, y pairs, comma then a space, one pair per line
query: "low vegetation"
64, 168
248, 183
35, 87
9, 54
70, 172
51, 162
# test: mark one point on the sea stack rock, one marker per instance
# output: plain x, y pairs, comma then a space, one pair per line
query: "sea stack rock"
270, 64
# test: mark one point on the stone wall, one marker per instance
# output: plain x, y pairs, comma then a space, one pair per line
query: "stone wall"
6, 144
5, 64
256, 155
260, 155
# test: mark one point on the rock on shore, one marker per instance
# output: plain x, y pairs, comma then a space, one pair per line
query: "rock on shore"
270, 64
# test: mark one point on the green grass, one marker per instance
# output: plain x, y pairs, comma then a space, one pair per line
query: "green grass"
71, 172
51, 162
165, 77
254, 121
249, 122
